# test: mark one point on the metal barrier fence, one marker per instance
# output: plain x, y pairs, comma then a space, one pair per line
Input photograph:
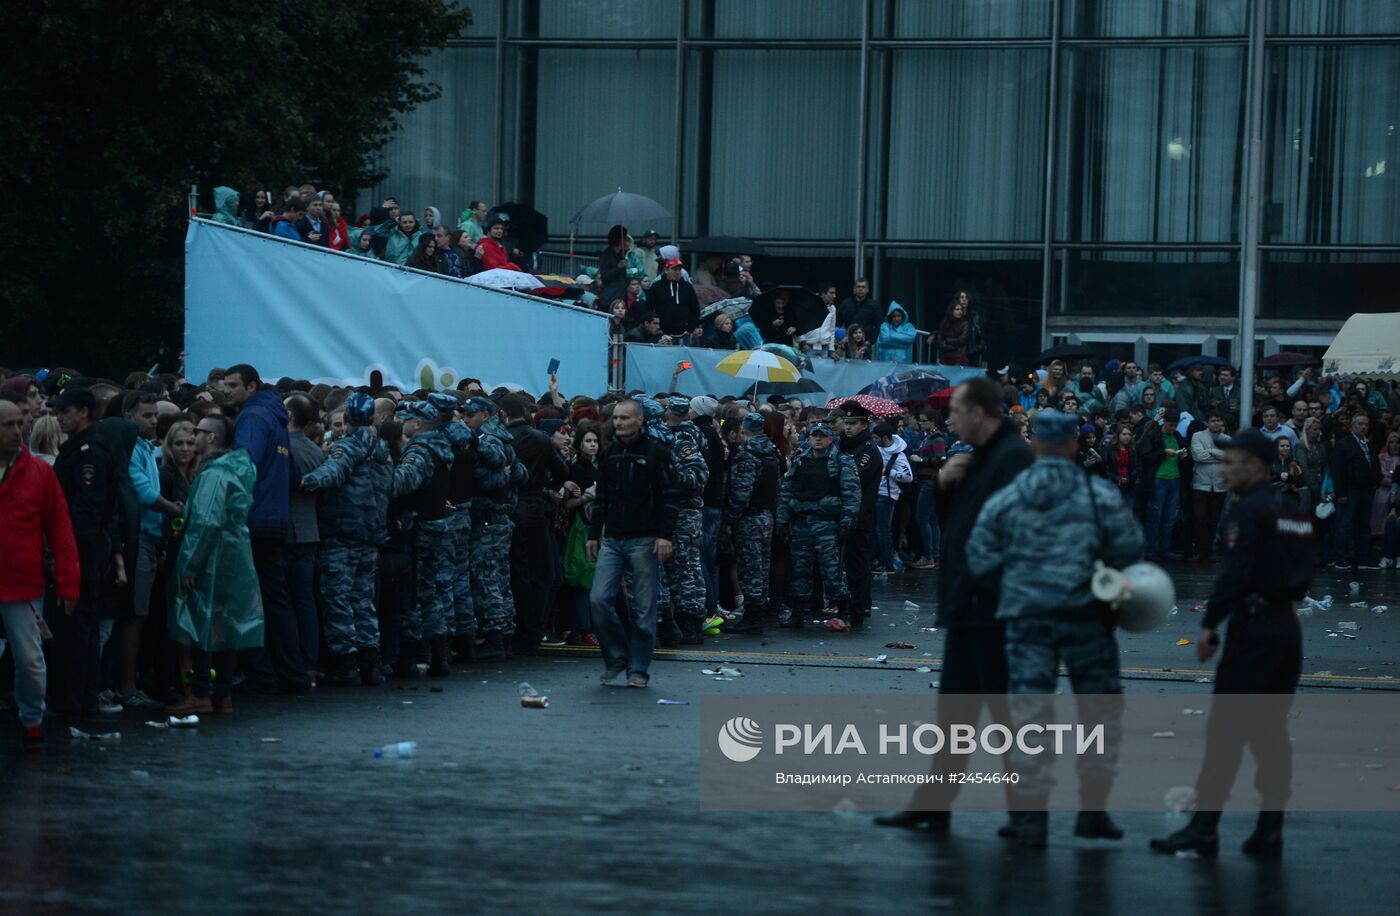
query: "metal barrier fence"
558, 262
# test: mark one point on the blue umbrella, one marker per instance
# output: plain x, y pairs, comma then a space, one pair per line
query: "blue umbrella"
1187, 362
621, 207
909, 385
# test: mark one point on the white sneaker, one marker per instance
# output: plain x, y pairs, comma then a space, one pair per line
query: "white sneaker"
1387, 562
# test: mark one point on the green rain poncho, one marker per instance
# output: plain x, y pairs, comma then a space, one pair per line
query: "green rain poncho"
226, 206
223, 611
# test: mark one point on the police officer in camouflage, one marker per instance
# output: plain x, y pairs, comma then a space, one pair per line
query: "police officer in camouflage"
685, 571
858, 445
354, 482
749, 505
460, 488
420, 482
1035, 543
818, 502
497, 475
1268, 566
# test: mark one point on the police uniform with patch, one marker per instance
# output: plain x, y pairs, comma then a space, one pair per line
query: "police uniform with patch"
820, 499
87, 475
498, 474
460, 489
685, 570
421, 480
748, 510
355, 481
1267, 567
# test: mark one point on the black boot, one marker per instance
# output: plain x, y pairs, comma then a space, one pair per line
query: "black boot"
669, 634
369, 666
1266, 842
1034, 829
1097, 825
495, 647
752, 624
692, 629
406, 665
464, 650
1199, 836
787, 619
341, 669
936, 821
441, 647
1012, 828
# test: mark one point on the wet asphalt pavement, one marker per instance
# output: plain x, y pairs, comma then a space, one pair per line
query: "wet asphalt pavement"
593, 803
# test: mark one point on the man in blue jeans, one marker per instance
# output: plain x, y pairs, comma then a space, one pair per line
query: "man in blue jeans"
634, 520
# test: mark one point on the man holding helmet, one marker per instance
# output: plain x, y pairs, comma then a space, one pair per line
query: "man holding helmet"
1035, 543
1268, 566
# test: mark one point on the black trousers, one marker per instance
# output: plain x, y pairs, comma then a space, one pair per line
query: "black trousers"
856, 556
1254, 689
74, 663
280, 661
535, 575
974, 678
1205, 515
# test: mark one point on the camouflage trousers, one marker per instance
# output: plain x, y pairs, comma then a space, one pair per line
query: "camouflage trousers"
347, 572
753, 546
463, 611
815, 543
430, 614
685, 573
1035, 647
490, 570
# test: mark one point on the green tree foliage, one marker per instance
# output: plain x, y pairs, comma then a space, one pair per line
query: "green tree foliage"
112, 110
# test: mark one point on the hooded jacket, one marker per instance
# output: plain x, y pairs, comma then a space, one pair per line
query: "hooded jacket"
1036, 540
676, 304
896, 342
895, 468
223, 611
35, 514
262, 430
398, 248
226, 207
354, 481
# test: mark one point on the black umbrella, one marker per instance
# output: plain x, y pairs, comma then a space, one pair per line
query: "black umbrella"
1200, 359
1287, 360
801, 386
621, 207
1067, 352
528, 227
804, 311
724, 244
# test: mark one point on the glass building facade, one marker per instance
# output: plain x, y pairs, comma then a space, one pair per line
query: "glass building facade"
1118, 171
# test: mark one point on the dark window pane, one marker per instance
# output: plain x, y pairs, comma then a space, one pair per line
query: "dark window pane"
1153, 18
1334, 17
1150, 144
777, 19
613, 19
971, 19
967, 136
1149, 284
1328, 284
1004, 285
1333, 148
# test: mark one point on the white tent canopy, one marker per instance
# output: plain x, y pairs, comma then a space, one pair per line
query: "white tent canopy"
1367, 346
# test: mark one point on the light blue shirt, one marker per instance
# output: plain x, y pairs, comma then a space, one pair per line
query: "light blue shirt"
145, 478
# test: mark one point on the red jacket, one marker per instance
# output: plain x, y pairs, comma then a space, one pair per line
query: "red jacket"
339, 233
32, 512
492, 255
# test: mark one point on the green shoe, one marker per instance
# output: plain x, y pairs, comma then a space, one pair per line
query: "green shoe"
713, 623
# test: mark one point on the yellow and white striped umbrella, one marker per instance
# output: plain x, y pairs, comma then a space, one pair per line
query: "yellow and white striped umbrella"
759, 365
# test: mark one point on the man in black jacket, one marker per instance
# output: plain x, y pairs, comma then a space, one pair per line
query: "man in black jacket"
1356, 472
535, 572
674, 300
858, 446
634, 520
974, 655
87, 475
861, 308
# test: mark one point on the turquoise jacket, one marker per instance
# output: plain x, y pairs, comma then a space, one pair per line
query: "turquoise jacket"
896, 342
399, 247
226, 206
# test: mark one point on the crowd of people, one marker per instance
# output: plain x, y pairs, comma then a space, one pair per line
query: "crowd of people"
642, 284
290, 534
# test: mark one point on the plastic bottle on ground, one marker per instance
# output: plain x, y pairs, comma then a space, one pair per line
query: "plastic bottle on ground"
398, 749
